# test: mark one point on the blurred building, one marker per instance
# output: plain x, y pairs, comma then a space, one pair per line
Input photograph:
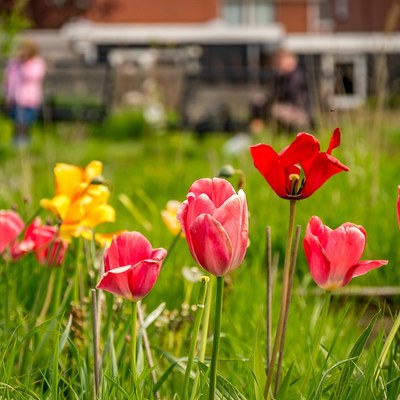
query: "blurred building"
294, 15
214, 54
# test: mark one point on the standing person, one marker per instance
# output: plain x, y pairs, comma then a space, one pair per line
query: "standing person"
289, 102
24, 76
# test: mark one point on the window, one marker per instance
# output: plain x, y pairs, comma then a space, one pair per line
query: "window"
248, 12
345, 82
326, 18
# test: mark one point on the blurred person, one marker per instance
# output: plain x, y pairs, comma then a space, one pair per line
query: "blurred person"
287, 103
23, 77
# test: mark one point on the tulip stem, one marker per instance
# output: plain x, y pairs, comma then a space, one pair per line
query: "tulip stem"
95, 331
204, 333
269, 294
217, 333
133, 342
295, 249
284, 299
195, 334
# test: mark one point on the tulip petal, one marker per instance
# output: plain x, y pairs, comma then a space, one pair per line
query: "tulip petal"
142, 277
98, 215
115, 281
68, 178
363, 267
11, 225
93, 170
317, 259
323, 167
317, 228
398, 207
201, 204
218, 190
58, 205
344, 249
267, 161
131, 282
132, 248
233, 217
158, 254
211, 246
304, 148
335, 141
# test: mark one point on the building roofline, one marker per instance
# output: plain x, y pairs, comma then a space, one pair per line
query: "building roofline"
212, 32
343, 43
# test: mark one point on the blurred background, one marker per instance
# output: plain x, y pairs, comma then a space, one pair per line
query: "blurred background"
204, 65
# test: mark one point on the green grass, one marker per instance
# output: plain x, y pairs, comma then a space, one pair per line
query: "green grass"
54, 360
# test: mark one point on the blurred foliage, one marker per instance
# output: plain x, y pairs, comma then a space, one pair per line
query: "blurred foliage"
11, 23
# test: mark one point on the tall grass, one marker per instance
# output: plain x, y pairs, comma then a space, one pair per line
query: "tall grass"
356, 356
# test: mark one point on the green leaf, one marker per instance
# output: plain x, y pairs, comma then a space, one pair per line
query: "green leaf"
134, 211
345, 377
225, 388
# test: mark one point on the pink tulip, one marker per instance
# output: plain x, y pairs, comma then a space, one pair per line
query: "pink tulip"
334, 256
44, 241
131, 266
11, 225
214, 220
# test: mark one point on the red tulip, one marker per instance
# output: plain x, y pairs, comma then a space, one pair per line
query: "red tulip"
131, 266
398, 207
49, 248
299, 169
334, 256
214, 220
11, 225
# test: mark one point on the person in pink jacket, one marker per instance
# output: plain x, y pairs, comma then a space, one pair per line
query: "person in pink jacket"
24, 77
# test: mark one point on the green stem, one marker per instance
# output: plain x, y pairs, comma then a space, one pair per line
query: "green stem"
204, 334
295, 248
78, 272
315, 345
6, 298
284, 299
95, 331
47, 300
195, 333
217, 333
172, 245
133, 341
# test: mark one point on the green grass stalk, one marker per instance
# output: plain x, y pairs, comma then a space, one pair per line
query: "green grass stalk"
49, 296
195, 333
78, 273
284, 299
217, 334
316, 342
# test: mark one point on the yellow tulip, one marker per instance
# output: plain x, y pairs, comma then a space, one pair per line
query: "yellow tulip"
80, 201
169, 217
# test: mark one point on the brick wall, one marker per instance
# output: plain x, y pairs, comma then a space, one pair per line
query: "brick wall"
292, 15
153, 11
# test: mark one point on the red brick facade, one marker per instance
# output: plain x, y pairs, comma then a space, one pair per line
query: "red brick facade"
294, 15
153, 11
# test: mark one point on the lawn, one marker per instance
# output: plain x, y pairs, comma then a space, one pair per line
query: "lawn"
339, 356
